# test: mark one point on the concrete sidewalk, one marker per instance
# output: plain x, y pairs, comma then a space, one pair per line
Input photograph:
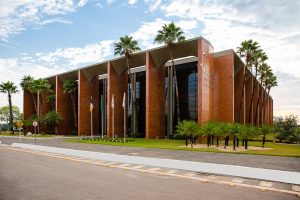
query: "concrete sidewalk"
231, 170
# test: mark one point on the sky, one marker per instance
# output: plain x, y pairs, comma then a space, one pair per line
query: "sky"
45, 37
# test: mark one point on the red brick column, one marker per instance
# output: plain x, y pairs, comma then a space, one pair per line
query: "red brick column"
205, 82
249, 89
255, 101
28, 104
238, 88
155, 101
86, 89
224, 88
116, 85
65, 107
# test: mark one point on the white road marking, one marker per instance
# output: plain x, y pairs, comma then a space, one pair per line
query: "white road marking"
154, 169
237, 180
124, 165
190, 174
137, 167
172, 171
265, 184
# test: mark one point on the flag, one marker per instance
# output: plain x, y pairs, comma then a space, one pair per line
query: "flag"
124, 101
91, 104
112, 102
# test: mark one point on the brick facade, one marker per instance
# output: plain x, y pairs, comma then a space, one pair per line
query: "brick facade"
220, 87
116, 85
86, 89
155, 101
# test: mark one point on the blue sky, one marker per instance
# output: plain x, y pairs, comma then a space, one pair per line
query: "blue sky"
43, 38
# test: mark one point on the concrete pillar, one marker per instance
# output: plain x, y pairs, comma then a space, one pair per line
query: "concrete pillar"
224, 88
155, 99
205, 82
64, 106
86, 89
116, 85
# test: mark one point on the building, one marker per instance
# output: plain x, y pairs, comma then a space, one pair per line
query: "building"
210, 88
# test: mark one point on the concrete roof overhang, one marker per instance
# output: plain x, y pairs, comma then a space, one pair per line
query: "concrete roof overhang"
160, 56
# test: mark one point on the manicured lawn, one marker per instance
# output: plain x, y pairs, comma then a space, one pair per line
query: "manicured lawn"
278, 149
17, 135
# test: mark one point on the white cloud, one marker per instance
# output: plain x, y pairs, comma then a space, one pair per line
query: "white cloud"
147, 31
132, 2
50, 63
153, 4
16, 16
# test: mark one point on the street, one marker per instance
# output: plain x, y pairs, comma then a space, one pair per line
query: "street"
36, 177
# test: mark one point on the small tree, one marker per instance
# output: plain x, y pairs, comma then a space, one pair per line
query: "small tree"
9, 88
265, 130
53, 119
207, 129
236, 130
188, 129
218, 130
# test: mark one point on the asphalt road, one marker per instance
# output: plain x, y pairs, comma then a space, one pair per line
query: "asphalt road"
25, 176
258, 161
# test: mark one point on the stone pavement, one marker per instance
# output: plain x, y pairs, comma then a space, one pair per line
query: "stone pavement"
201, 167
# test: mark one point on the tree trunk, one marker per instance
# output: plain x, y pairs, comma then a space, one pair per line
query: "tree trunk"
212, 140
186, 140
234, 142
242, 95
208, 141
34, 102
218, 141
74, 109
176, 85
11, 117
252, 95
133, 96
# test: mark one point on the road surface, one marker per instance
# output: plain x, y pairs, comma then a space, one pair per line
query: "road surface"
25, 176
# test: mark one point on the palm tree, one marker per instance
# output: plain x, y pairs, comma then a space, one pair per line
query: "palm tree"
270, 82
41, 86
70, 87
51, 101
25, 84
9, 88
259, 57
246, 50
263, 71
53, 118
170, 34
126, 46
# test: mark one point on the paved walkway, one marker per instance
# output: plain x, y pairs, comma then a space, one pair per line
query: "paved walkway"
256, 161
231, 170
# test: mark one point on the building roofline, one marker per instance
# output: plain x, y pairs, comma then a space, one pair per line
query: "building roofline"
123, 57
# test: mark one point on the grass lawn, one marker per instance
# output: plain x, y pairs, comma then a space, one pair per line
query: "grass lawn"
278, 149
17, 135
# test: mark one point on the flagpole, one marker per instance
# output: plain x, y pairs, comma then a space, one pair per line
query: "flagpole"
113, 118
102, 115
92, 124
91, 111
124, 108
